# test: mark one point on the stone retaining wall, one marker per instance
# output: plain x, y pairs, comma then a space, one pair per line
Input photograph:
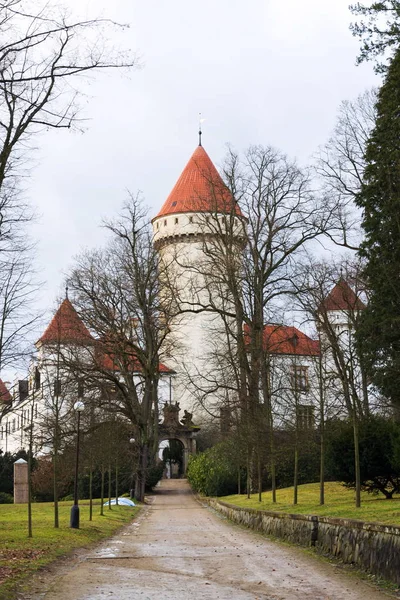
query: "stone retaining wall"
372, 547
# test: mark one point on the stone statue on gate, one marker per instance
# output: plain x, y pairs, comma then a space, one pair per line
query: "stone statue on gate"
171, 415
187, 419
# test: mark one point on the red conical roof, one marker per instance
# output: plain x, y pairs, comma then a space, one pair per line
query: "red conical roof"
66, 327
342, 297
5, 395
199, 189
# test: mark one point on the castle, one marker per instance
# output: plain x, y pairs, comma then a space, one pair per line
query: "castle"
198, 203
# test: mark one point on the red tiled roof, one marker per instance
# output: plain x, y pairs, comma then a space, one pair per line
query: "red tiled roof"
66, 327
282, 339
108, 359
199, 189
5, 395
342, 297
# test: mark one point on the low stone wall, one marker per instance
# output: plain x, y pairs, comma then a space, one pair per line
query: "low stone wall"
372, 547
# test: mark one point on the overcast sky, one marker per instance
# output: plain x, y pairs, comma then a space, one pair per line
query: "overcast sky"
260, 71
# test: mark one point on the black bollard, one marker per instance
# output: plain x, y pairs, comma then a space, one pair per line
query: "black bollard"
74, 520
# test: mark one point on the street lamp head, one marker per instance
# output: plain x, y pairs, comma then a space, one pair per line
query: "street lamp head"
79, 406
132, 440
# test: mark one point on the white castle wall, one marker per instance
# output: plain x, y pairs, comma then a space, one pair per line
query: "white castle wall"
195, 335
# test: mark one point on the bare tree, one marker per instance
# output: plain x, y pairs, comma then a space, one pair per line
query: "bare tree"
44, 53
116, 291
326, 296
340, 164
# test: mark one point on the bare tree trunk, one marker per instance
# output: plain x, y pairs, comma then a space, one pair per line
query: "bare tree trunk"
322, 433
322, 467
145, 452
116, 481
248, 473
273, 468
259, 474
102, 490
55, 486
109, 486
90, 490
296, 471
29, 473
357, 461
239, 484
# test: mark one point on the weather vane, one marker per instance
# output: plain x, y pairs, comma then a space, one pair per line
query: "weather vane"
200, 130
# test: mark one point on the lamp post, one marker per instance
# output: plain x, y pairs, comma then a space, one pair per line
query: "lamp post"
74, 521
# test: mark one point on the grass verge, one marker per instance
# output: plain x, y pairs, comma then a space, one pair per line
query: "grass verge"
339, 502
21, 556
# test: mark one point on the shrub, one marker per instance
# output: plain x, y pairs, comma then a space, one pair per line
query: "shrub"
379, 442
154, 475
6, 498
213, 472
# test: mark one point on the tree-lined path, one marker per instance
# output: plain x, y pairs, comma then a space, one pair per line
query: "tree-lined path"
180, 550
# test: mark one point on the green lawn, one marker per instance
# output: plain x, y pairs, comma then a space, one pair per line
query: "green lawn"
339, 502
20, 555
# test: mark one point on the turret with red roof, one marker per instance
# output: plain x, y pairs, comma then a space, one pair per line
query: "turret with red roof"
199, 191
200, 205
342, 298
66, 327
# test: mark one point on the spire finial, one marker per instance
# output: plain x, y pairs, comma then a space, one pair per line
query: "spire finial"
200, 131
66, 289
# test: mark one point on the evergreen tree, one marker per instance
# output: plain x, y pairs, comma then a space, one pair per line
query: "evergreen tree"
379, 332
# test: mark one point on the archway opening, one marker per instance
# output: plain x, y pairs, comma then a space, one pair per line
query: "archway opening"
172, 454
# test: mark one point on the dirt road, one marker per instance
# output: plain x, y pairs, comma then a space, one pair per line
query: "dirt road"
180, 550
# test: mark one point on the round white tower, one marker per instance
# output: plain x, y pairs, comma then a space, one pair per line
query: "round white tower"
198, 207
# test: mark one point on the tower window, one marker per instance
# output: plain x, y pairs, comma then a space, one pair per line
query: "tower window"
190, 219
37, 379
57, 387
174, 203
158, 225
165, 222
176, 220
81, 388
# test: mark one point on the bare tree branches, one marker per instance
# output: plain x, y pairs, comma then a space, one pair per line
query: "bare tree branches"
43, 53
340, 164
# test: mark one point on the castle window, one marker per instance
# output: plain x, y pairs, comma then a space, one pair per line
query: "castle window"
190, 219
305, 416
81, 388
174, 203
57, 387
225, 416
176, 220
165, 222
299, 378
37, 379
158, 225
23, 389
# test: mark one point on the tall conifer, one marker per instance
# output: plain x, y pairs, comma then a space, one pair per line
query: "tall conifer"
379, 332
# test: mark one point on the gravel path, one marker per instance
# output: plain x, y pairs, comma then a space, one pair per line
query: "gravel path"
180, 550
